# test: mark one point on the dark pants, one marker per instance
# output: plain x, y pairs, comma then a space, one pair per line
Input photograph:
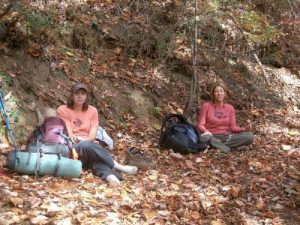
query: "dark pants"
229, 142
95, 158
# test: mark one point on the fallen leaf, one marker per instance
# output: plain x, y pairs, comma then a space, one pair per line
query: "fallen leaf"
53, 208
69, 54
40, 219
4, 146
286, 147
175, 187
7, 96
156, 126
149, 215
153, 177
235, 191
117, 50
16, 201
176, 155
293, 133
216, 222
66, 221
195, 215
239, 202
198, 160
12, 74
189, 164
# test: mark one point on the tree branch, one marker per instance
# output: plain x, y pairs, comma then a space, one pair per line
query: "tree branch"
260, 65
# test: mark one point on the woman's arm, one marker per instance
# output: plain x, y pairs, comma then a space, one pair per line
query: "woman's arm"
232, 122
61, 113
202, 118
94, 121
92, 134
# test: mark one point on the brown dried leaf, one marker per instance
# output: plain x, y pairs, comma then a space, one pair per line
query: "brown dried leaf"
189, 164
216, 222
149, 215
195, 215
16, 201
235, 191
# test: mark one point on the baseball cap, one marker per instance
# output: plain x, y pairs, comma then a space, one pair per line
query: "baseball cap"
79, 86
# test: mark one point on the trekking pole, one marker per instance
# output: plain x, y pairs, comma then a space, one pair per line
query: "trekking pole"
6, 120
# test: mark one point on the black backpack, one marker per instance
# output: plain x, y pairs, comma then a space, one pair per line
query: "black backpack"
178, 134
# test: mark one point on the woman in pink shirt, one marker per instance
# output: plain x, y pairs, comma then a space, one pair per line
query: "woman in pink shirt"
217, 122
82, 122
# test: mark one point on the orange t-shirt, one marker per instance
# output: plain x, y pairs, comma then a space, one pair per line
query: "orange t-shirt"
79, 122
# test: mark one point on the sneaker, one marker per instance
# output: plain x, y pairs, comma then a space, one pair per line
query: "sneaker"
137, 158
112, 180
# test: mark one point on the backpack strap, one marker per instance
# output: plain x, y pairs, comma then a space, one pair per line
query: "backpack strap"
58, 159
37, 136
38, 160
200, 145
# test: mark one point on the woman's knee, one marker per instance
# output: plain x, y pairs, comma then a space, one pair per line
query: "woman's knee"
205, 137
84, 144
249, 137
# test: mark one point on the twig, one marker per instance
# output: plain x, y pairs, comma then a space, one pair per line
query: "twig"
292, 9
260, 65
118, 7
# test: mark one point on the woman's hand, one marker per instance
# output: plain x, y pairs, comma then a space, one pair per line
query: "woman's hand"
206, 133
248, 126
74, 154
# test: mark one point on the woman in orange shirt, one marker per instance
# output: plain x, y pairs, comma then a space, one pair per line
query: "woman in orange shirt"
82, 122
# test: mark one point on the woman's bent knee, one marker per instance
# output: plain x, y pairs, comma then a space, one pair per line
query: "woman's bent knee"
84, 144
249, 137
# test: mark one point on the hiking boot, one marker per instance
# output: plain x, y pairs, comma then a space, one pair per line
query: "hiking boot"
137, 158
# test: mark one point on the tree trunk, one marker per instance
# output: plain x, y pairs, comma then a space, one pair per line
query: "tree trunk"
194, 82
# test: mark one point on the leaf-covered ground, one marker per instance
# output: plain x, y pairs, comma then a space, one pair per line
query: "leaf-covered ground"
260, 186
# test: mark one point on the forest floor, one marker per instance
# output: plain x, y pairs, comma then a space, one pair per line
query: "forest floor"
259, 186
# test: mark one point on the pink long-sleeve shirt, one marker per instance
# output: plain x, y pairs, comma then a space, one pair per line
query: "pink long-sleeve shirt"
218, 119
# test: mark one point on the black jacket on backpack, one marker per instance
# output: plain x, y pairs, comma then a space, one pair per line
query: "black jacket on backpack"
180, 136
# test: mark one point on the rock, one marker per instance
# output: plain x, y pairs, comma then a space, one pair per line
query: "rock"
286, 147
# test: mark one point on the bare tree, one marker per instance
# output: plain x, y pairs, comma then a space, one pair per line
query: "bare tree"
194, 82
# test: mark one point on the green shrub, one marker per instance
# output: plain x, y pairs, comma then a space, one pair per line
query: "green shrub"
258, 28
37, 21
